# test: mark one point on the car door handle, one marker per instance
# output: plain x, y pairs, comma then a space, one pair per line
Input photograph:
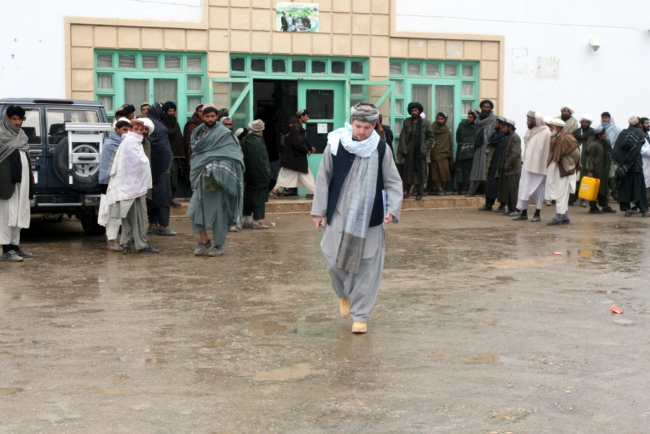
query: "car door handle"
35, 151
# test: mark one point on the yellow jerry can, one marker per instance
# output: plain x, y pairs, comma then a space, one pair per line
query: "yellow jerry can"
589, 188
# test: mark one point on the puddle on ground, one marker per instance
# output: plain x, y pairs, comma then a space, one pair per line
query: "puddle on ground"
295, 372
506, 279
475, 358
624, 322
263, 328
10, 390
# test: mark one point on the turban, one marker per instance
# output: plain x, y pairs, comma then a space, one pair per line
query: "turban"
510, 122
633, 120
557, 122
148, 123
256, 125
586, 117
567, 106
364, 112
443, 114
238, 132
501, 119
486, 101
531, 114
473, 113
599, 130
416, 105
548, 120
301, 112
135, 121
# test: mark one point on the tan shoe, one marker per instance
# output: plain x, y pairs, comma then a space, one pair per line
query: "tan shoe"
345, 308
359, 327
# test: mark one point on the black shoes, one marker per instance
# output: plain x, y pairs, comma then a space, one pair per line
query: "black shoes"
485, 208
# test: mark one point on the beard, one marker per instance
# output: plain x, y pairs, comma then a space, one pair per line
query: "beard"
531, 126
554, 134
484, 114
210, 124
565, 117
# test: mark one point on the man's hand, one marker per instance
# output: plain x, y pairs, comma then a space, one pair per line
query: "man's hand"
313, 150
590, 174
389, 218
319, 222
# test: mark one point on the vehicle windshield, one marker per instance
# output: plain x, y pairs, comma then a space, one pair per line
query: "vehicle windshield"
58, 117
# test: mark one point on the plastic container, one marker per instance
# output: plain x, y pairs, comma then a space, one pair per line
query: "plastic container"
589, 188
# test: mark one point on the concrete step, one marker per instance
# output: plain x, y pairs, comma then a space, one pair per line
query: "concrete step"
303, 206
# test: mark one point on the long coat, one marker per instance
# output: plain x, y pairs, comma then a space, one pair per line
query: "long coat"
295, 151
406, 150
598, 160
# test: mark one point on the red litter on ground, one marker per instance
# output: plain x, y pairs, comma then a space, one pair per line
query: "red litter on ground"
557, 253
616, 309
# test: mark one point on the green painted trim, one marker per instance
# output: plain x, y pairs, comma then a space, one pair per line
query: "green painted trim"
327, 75
184, 112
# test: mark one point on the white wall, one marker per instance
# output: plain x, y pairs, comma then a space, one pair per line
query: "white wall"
548, 61
32, 37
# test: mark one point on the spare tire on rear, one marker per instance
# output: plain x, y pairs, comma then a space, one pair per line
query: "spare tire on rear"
84, 176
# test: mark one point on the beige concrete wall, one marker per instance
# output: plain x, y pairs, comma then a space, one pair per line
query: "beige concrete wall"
359, 28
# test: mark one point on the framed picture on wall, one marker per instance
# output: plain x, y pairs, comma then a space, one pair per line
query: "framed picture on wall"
297, 17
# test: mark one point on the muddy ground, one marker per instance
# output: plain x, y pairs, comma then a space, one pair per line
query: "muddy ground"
479, 328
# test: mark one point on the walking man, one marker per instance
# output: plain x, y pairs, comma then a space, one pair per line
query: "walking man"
537, 143
598, 163
217, 180
415, 142
356, 171
294, 170
563, 166
15, 179
484, 130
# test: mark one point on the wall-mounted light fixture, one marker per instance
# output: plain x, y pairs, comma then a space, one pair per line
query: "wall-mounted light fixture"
594, 44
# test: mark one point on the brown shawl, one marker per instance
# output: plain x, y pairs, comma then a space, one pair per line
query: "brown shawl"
442, 142
563, 144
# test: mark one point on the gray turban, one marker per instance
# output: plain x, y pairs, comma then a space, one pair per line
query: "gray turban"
256, 125
364, 112
531, 114
599, 130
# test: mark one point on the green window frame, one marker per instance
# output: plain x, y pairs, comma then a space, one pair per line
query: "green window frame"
463, 76
292, 67
113, 67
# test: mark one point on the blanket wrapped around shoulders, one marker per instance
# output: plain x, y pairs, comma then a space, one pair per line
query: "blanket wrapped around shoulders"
218, 161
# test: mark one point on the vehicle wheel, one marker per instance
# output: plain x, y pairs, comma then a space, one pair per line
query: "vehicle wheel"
53, 218
88, 217
84, 176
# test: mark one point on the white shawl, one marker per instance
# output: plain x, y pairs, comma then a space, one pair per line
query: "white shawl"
538, 145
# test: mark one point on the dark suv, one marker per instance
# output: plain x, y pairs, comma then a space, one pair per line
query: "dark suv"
57, 189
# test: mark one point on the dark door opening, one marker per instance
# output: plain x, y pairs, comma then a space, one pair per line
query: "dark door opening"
274, 101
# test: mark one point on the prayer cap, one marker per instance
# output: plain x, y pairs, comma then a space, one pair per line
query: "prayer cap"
364, 112
136, 121
531, 114
300, 112
548, 120
473, 113
443, 114
238, 132
486, 101
256, 125
501, 119
209, 105
510, 122
599, 130
557, 122
586, 117
567, 106
124, 120
416, 105
633, 120
148, 123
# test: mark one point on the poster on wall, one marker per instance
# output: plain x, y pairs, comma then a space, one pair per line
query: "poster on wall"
297, 17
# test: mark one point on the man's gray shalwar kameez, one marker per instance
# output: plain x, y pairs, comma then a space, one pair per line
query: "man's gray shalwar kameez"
360, 289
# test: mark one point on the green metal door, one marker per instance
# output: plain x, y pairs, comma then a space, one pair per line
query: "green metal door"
325, 102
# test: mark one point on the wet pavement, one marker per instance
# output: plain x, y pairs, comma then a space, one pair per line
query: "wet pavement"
478, 328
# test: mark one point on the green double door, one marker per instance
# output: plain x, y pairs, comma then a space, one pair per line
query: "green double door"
324, 100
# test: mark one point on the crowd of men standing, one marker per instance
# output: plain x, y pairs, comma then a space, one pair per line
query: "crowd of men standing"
546, 168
